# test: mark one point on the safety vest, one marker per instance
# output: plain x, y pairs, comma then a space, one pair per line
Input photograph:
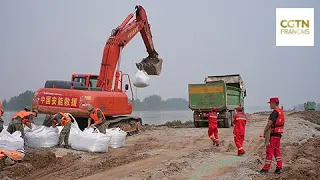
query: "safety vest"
278, 126
240, 121
64, 120
24, 115
94, 115
212, 119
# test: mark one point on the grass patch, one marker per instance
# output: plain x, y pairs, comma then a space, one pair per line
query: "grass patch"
177, 123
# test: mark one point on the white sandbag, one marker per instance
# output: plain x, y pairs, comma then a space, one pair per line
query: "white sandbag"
91, 140
12, 141
42, 136
141, 79
33, 127
118, 137
74, 131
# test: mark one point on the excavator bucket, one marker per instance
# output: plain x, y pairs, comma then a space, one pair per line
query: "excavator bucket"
152, 66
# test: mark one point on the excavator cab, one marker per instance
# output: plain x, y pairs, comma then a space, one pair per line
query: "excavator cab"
151, 65
89, 80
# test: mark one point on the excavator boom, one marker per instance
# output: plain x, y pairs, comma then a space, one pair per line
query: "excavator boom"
119, 38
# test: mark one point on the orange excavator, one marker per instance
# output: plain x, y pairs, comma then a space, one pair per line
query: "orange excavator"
107, 90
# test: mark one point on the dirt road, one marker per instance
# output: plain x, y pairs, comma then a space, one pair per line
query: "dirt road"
180, 153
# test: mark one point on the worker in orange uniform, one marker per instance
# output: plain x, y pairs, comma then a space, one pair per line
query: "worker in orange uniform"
64, 120
97, 119
213, 125
276, 125
22, 117
1, 120
29, 121
239, 129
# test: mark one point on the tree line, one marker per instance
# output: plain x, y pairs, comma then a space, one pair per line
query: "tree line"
153, 102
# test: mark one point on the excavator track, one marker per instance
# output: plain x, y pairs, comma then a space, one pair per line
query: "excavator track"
131, 125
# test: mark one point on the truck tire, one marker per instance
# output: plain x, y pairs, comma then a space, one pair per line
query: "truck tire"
227, 120
221, 124
232, 117
196, 124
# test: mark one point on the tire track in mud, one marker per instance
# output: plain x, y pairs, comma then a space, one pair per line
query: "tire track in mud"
152, 162
223, 163
227, 160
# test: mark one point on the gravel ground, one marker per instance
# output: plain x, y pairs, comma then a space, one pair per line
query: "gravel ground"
177, 153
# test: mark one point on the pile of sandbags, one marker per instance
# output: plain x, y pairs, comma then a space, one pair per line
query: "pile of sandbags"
41, 136
11, 141
141, 79
118, 137
91, 140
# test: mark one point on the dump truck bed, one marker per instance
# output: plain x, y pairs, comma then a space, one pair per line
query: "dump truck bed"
204, 96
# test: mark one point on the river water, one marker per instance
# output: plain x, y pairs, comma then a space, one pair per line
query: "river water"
148, 117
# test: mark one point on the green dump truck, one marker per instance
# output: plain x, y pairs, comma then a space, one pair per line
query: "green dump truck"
310, 106
225, 92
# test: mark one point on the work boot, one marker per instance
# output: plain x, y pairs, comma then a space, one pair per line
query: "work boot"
58, 145
278, 171
217, 144
263, 171
214, 142
241, 152
67, 146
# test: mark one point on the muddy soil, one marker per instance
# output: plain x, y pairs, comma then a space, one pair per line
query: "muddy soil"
161, 152
302, 162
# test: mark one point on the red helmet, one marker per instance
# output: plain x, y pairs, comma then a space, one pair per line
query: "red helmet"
274, 99
239, 108
214, 108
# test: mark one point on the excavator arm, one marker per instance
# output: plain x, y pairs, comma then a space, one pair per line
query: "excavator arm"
119, 38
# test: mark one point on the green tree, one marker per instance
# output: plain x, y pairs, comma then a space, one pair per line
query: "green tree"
175, 104
153, 102
19, 102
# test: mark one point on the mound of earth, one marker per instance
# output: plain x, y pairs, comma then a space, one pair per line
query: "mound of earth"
34, 160
304, 162
312, 116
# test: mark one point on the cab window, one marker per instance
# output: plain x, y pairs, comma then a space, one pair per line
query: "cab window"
80, 79
93, 82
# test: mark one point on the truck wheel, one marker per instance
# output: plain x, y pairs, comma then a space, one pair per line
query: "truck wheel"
196, 117
196, 124
221, 124
227, 120
232, 117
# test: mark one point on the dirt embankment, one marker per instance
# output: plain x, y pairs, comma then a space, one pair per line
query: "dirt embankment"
300, 161
312, 116
161, 152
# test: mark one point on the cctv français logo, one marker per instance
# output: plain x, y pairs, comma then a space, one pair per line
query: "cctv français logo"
295, 27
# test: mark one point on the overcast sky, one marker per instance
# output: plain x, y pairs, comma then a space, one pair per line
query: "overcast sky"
41, 40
